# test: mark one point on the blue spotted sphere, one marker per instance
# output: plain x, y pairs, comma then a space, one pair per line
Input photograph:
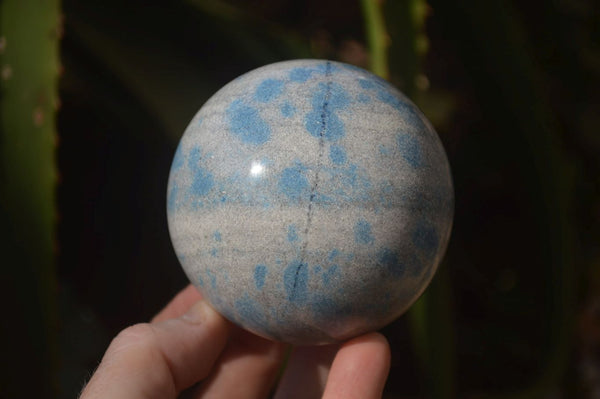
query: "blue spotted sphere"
309, 201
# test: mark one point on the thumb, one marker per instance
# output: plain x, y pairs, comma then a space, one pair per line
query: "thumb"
158, 360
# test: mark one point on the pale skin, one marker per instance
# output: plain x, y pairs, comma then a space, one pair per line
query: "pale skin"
189, 350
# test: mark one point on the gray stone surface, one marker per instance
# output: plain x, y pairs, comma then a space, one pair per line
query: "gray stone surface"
310, 201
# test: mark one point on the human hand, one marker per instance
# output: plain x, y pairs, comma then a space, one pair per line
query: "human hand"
190, 349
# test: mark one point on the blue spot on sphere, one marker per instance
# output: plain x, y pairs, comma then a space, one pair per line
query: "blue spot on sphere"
325, 68
337, 154
330, 275
260, 273
203, 182
366, 84
425, 237
288, 110
326, 308
385, 95
246, 123
351, 177
383, 150
294, 184
333, 254
295, 281
251, 312
268, 90
300, 75
292, 234
389, 260
213, 278
362, 232
323, 122
178, 159
217, 236
338, 97
410, 149
194, 158
363, 98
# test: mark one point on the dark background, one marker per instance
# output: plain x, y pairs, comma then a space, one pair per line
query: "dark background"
513, 89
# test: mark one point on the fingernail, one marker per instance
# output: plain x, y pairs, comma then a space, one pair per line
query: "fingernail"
198, 313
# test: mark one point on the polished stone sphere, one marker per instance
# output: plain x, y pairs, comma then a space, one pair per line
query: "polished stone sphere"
310, 201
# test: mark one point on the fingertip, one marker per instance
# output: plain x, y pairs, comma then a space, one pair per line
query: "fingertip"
306, 373
193, 342
248, 368
360, 368
376, 344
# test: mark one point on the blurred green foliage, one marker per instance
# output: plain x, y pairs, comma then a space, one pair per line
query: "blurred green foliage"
513, 89
29, 68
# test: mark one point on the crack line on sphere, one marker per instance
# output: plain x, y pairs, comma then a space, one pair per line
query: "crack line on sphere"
313, 189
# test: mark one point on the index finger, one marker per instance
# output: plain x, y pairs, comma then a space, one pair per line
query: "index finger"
179, 305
